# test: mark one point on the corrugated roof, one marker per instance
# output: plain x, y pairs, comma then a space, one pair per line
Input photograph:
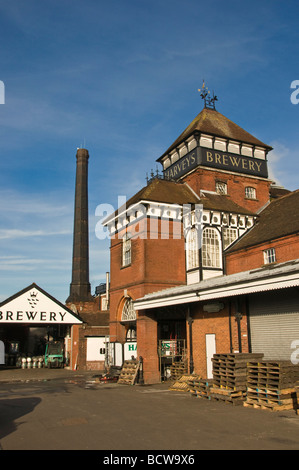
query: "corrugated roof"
266, 278
210, 121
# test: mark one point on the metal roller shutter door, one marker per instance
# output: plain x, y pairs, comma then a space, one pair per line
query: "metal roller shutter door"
274, 323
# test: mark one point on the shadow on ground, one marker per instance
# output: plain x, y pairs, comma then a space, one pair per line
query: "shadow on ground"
12, 409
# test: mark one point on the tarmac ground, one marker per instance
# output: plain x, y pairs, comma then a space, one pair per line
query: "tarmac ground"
61, 409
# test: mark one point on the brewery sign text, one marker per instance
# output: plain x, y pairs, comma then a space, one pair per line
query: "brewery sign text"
216, 159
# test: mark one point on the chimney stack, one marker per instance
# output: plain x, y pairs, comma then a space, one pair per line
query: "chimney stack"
80, 286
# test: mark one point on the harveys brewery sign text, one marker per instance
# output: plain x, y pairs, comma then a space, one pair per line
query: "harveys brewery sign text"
216, 159
34, 305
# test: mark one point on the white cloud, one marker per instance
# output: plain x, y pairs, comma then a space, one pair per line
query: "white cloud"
15, 233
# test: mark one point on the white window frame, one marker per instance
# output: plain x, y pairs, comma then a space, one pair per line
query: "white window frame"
127, 249
229, 235
131, 335
221, 187
250, 192
128, 311
211, 248
192, 249
269, 256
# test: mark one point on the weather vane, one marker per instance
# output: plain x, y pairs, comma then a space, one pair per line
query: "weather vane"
205, 94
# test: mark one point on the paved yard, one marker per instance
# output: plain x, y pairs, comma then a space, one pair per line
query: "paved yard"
72, 412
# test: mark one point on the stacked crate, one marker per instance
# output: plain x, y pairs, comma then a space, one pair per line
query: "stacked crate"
272, 385
230, 376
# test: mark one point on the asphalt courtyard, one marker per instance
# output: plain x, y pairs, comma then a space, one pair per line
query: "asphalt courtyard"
72, 410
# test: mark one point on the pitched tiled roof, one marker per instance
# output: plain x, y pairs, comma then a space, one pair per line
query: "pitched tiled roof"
165, 191
171, 192
210, 121
279, 219
222, 203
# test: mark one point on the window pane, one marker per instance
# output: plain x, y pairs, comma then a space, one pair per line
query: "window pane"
126, 257
229, 236
128, 312
211, 248
192, 249
269, 256
250, 193
221, 188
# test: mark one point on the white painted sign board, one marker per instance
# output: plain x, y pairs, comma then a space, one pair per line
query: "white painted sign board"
35, 306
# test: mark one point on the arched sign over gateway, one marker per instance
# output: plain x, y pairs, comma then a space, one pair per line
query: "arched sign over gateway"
35, 306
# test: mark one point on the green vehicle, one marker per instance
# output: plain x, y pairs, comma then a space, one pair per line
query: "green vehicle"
54, 356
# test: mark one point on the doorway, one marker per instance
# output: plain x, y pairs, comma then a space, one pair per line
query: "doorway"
210, 351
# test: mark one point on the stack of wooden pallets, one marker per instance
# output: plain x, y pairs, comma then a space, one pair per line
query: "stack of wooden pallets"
230, 376
183, 384
177, 369
200, 388
272, 385
129, 372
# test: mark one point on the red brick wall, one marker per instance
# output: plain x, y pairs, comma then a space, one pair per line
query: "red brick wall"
147, 347
157, 263
219, 324
202, 179
286, 249
78, 351
84, 332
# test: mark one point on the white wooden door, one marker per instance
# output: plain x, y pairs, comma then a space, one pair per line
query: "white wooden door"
210, 351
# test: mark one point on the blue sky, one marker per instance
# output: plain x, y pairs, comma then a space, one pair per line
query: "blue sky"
121, 78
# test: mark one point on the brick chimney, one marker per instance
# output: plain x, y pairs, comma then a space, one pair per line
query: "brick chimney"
80, 286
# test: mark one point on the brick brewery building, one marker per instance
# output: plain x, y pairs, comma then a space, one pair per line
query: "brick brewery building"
204, 258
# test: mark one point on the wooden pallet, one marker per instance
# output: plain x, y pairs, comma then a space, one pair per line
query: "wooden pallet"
230, 376
129, 372
177, 369
230, 370
182, 384
200, 388
272, 385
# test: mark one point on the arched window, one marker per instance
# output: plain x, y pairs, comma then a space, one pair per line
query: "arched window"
211, 248
192, 249
126, 249
128, 313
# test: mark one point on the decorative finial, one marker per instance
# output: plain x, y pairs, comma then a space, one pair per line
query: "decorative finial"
204, 93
